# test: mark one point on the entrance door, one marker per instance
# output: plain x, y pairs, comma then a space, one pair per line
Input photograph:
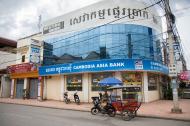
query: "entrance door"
19, 88
33, 88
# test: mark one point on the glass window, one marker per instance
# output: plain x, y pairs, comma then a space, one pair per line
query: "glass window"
114, 37
23, 58
96, 77
132, 78
109, 29
152, 82
74, 82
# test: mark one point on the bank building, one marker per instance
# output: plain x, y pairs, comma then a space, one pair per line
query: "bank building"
111, 38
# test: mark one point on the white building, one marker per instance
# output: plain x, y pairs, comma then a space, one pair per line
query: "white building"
8, 57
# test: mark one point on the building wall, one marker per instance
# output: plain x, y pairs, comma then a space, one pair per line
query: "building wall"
5, 86
24, 47
7, 59
153, 96
54, 88
111, 5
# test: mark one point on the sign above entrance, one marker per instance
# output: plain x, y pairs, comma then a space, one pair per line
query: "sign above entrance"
22, 68
185, 76
104, 65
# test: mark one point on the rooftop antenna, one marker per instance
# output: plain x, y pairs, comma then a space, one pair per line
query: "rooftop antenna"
39, 22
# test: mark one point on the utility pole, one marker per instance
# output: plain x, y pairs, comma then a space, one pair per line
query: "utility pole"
172, 38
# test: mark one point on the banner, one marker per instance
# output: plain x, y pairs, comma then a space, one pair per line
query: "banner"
104, 65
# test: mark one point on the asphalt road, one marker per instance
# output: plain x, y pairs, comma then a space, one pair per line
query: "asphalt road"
19, 115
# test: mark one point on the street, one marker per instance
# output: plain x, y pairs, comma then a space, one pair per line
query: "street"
20, 115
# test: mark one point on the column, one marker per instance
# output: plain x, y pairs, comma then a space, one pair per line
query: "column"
85, 86
12, 87
118, 75
145, 86
26, 83
45, 88
40, 88
1, 86
62, 87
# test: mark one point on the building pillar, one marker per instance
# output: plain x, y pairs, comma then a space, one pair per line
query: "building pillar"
40, 88
85, 87
62, 87
26, 83
145, 86
1, 86
45, 88
118, 75
13, 81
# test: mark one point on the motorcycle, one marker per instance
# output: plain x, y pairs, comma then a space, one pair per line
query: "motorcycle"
66, 98
26, 94
98, 108
76, 98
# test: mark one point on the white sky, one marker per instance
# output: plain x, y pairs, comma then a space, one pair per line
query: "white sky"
19, 18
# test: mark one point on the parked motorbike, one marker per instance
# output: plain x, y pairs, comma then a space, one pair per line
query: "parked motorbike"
98, 108
26, 94
76, 98
66, 98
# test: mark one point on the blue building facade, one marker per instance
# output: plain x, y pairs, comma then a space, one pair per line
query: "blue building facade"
113, 41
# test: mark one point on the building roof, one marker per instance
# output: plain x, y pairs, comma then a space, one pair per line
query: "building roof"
4, 42
30, 36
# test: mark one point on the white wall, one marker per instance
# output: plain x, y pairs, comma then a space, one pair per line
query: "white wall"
23, 47
5, 86
53, 88
153, 95
105, 4
6, 59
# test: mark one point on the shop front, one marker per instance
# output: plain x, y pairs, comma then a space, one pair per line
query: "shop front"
24, 77
83, 77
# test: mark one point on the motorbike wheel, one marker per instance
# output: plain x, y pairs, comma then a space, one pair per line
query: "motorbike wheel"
111, 112
94, 111
66, 101
77, 101
126, 116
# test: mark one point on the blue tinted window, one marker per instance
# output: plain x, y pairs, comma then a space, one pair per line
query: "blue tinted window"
114, 39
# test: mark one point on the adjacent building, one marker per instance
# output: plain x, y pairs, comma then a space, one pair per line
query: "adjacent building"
7, 58
24, 73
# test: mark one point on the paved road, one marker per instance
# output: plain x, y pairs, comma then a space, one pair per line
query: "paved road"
19, 115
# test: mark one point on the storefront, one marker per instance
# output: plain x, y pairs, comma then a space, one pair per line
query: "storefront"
24, 76
83, 77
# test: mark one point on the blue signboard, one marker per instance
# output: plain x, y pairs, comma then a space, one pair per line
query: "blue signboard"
35, 55
104, 65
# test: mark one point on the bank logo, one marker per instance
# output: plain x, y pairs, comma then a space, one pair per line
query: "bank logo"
138, 65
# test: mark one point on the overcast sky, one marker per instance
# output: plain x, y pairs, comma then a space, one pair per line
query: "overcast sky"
19, 18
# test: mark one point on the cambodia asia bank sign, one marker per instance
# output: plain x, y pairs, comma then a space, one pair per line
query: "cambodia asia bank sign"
102, 13
104, 65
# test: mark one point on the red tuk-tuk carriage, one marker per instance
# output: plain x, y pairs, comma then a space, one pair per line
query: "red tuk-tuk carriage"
126, 107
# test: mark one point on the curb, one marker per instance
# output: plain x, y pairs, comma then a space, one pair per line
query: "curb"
45, 106
165, 118
142, 116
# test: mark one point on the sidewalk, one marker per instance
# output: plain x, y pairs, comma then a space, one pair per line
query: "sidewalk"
157, 109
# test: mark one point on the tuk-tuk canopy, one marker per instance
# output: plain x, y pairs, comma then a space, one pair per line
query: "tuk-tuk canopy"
110, 81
